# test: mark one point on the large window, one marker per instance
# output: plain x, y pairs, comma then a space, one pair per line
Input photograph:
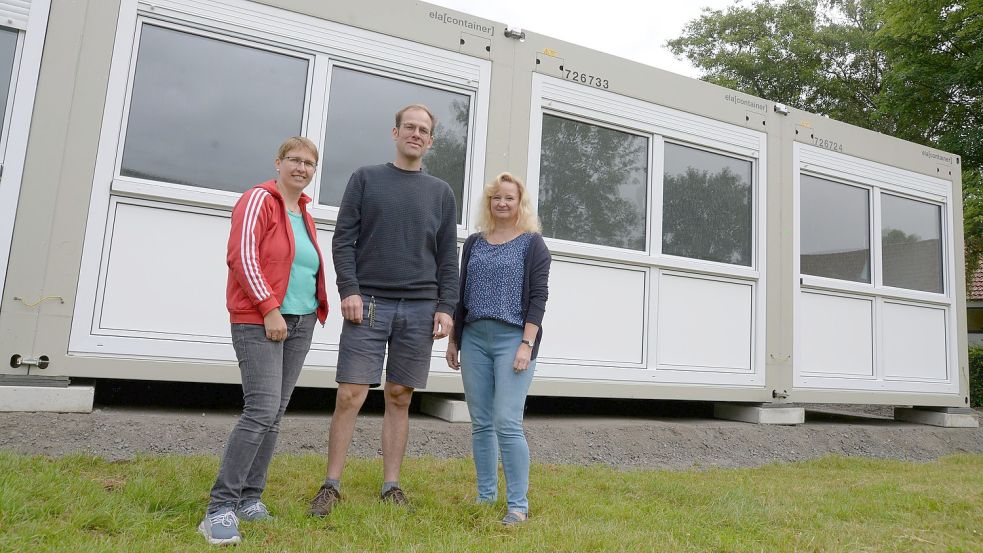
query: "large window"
835, 235
836, 230
361, 110
593, 183
911, 243
210, 113
707, 206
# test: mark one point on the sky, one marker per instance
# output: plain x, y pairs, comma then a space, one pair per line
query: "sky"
633, 29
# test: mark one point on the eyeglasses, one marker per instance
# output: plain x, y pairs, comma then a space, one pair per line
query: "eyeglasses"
298, 161
412, 128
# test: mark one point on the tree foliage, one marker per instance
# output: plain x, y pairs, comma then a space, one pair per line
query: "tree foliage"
707, 216
588, 178
908, 68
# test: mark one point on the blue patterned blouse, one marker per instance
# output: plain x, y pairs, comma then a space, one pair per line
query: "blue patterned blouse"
494, 284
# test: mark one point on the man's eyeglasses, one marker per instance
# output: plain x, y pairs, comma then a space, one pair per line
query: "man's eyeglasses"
299, 161
411, 128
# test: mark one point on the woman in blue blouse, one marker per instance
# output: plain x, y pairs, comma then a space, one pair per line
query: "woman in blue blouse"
497, 330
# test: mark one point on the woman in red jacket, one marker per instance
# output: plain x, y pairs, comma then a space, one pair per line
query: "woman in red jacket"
275, 293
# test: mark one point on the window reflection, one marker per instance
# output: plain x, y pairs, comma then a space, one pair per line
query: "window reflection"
707, 206
361, 107
911, 244
209, 113
835, 230
8, 49
593, 184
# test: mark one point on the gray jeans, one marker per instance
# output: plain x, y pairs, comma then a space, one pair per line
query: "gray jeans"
269, 372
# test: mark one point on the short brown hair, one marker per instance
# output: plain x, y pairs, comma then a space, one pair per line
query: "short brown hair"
295, 142
421, 107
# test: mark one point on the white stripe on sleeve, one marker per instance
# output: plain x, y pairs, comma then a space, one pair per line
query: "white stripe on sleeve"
247, 245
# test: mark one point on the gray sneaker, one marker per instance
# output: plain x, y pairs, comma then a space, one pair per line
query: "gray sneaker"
221, 527
324, 501
253, 511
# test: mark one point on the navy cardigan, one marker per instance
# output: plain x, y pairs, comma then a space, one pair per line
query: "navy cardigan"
535, 287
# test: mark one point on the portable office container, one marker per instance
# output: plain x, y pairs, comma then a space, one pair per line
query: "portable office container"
707, 244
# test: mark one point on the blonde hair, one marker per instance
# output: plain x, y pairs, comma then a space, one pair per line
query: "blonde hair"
526, 219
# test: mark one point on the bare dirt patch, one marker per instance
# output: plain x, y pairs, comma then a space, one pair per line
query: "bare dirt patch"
133, 418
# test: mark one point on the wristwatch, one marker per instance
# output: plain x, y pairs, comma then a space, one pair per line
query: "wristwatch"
529, 343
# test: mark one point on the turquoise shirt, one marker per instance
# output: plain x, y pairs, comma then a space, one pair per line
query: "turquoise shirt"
301, 297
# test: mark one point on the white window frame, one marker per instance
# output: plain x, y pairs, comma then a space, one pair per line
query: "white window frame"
265, 27
650, 153
328, 212
756, 205
558, 97
17, 119
201, 195
660, 124
877, 178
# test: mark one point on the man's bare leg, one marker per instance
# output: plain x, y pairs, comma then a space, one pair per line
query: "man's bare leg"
348, 402
395, 429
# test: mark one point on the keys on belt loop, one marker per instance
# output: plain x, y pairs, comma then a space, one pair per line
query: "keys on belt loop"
371, 311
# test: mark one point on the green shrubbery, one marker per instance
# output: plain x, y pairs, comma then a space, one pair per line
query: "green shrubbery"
976, 376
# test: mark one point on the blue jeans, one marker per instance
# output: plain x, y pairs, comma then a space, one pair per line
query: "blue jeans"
269, 372
496, 397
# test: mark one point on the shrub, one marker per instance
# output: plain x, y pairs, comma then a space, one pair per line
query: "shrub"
976, 376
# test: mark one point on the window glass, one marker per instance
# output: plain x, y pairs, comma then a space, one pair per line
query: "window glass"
8, 49
835, 230
911, 243
974, 320
210, 113
593, 184
361, 111
707, 206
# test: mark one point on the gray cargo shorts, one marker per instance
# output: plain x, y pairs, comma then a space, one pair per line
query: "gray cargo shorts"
405, 326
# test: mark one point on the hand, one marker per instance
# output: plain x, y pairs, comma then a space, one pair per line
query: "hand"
351, 308
276, 327
453, 356
442, 325
522, 357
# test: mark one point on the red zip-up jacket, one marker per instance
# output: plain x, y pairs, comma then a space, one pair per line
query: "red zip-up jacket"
260, 253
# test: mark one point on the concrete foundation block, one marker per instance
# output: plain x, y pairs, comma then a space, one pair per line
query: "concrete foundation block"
759, 413
448, 408
71, 399
947, 417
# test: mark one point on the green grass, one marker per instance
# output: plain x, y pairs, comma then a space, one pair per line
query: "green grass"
835, 504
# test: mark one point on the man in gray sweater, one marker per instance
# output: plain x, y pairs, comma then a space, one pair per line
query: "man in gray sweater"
395, 254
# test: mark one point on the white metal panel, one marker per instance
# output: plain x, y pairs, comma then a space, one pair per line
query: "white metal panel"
914, 342
704, 324
326, 337
837, 335
15, 13
595, 314
166, 274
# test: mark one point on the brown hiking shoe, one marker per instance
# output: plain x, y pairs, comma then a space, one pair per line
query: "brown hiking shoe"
395, 496
324, 501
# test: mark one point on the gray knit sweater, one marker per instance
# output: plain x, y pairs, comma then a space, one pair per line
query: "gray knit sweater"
396, 237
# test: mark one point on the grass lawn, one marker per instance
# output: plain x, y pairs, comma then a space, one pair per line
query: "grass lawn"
834, 504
